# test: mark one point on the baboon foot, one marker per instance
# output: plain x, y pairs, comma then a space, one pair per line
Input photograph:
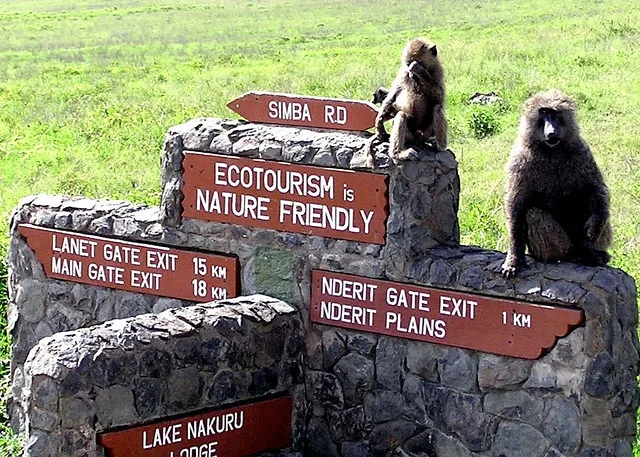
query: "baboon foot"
511, 266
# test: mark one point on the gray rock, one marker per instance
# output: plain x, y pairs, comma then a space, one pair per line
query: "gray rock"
45, 393
386, 437
323, 158
496, 372
562, 425
543, 378
414, 408
362, 343
43, 420
390, 355
333, 348
423, 359
563, 291
463, 415
421, 445
30, 300
522, 440
347, 425
115, 406
325, 389
221, 144
40, 445
358, 449
450, 447
515, 405
458, 369
319, 442
597, 421
598, 380
355, 372
246, 147
270, 150
74, 412
263, 381
383, 405
569, 351
148, 396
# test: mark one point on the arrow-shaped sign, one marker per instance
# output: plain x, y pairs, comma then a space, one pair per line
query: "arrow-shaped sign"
303, 111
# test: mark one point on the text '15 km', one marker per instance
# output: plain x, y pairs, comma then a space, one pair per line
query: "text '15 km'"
241, 431
135, 267
460, 319
340, 204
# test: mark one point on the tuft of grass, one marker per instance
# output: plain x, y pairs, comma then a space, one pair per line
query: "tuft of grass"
11, 445
483, 123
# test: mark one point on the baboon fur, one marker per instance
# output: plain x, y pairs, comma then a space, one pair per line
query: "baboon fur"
415, 102
556, 201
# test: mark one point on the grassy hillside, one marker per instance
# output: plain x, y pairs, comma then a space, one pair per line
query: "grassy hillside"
88, 89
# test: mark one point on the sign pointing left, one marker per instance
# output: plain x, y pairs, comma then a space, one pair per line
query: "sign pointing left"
304, 111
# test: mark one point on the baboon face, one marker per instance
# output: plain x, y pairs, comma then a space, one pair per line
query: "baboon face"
548, 119
422, 52
550, 126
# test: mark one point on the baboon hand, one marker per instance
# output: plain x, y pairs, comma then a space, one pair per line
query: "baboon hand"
382, 136
415, 67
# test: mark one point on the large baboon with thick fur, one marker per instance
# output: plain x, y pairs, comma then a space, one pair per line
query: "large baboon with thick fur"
556, 201
415, 102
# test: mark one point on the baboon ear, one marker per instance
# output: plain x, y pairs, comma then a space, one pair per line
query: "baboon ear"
434, 50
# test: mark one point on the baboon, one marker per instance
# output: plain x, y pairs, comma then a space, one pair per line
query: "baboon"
556, 201
379, 95
415, 102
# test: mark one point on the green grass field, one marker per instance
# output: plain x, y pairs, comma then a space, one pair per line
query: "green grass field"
88, 89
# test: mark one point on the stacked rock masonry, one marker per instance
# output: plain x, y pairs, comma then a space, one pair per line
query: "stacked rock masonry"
355, 393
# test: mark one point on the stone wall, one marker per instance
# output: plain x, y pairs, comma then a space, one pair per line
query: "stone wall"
372, 393
130, 371
368, 394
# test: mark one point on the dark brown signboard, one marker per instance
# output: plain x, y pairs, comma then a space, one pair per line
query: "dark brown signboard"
343, 204
305, 111
235, 432
489, 324
136, 267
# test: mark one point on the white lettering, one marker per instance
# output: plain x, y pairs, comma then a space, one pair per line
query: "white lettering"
121, 254
106, 273
145, 280
67, 267
75, 246
347, 313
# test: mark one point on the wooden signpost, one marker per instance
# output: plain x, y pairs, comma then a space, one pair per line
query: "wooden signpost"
136, 267
342, 204
305, 111
498, 326
235, 432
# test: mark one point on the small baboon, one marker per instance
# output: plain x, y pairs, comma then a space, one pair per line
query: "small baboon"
415, 102
556, 201
379, 95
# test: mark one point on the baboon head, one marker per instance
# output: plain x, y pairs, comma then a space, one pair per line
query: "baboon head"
548, 120
422, 51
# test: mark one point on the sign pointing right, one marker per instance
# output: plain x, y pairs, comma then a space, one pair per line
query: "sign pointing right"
304, 111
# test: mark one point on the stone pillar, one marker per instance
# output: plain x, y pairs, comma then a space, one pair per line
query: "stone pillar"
132, 371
